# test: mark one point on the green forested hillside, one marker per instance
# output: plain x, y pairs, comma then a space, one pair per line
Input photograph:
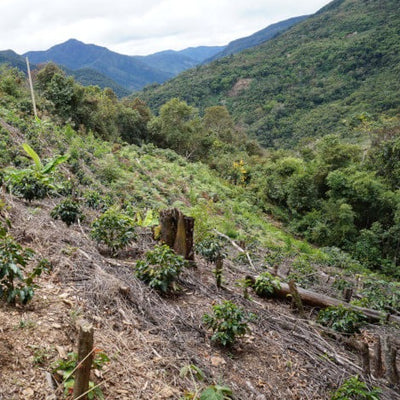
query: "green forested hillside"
315, 79
257, 38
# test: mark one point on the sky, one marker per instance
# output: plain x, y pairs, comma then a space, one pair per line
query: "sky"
140, 27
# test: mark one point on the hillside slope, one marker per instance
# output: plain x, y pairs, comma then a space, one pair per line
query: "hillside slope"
312, 80
257, 38
89, 209
150, 337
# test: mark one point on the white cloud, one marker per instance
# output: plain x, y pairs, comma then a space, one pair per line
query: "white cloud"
140, 27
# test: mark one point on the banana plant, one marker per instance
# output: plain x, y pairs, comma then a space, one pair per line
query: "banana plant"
35, 181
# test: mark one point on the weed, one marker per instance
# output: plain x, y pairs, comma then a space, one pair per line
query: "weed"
212, 392
63, 370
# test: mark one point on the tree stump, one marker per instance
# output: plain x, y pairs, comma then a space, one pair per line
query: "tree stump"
389, 356
377, 359
297, 304
177, 232
85, 359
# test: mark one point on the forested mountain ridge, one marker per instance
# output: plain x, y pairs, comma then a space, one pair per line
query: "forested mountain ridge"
256, 38
85, 76
312, 80
125, 70
172, 61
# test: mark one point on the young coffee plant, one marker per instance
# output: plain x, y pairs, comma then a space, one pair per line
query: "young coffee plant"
160, 268
303, 273
14, 283
354, 389
341, 319
113, 229
63, 370
68, 211
93, 199
228, 322
266, 284
380, 295
36, 181
212, 250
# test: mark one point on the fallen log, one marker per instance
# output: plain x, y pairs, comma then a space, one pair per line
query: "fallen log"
323, 301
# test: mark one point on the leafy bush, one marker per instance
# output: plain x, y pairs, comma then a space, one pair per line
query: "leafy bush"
354, 389
68, 211
379, 295
228, 322
211, 249
303, 272
35, 182
266, 284
64, 369
96, 201
341, 319
114, 229
29, 185
13, 261
160, 268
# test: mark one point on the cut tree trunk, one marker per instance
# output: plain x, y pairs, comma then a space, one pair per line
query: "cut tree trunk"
389, 356
85, 359
323, 301
177, 232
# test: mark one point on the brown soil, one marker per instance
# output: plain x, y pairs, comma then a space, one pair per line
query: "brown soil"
149, 338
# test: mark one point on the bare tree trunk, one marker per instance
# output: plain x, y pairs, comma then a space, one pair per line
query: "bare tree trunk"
177, 232
322, 301
85, 359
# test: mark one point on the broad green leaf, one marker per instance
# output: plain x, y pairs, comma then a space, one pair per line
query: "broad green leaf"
32, 154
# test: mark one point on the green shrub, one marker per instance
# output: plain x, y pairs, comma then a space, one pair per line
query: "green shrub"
379, 295
266, 284
113, 229
36, 181
354, 389
228, 322
68, 211
211, 249
96, 201
303, 273
341, 319
14, 285
160, 268
29, 186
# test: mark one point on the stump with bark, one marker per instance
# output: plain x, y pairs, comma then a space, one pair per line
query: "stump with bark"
177, 232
